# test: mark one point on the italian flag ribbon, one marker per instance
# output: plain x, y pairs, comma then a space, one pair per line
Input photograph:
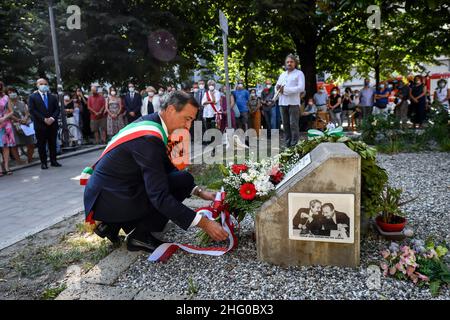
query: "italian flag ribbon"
166, 250
314, 133
132, 131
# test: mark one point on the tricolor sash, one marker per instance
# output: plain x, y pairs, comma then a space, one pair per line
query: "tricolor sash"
166, 250
218, 115
130, 132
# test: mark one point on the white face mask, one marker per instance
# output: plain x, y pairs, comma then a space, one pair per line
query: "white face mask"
113, 93
201, 86
160, 93
211, 88
13, 95
240, 86
253, 94
151, 94
195, 90
333, 92
131, 89
441, 85
268, 86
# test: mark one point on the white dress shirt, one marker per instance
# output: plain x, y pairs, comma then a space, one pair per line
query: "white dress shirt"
208, 111
294, 84
156, 104
198, 217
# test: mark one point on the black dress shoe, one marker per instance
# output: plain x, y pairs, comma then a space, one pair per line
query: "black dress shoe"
56, 164
44, 166
111, 232
149, 244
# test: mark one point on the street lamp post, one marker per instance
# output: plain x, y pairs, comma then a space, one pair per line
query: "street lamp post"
59, 87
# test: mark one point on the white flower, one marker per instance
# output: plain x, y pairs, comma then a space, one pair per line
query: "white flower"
246, 177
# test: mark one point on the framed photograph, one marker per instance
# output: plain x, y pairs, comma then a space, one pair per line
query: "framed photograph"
326, 217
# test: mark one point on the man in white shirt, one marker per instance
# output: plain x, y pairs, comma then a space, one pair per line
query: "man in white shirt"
291, 84
211, 104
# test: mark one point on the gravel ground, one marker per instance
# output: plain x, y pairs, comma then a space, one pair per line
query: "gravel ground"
239, 275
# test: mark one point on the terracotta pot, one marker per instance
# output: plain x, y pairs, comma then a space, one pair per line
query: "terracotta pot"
391, 227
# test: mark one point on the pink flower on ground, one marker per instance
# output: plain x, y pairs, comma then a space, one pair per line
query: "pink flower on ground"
414, 278
422, 277
400, 267
385, 253
410, 270
392, 270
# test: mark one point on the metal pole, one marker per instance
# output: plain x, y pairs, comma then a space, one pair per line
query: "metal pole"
227, 80
59, 87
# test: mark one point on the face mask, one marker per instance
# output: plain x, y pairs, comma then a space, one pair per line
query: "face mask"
201, 86
113, 93
333, 92
13, 95
390, 86
253, 94
151, 94
310, 103
131, 89
240, 86
195, 90
160, 93
268, 86
211, 88
66, 99
43, 88
441, 85
381, 86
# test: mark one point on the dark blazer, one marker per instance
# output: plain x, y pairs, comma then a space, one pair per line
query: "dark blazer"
131, 182
133, 105
328, 224
39, 112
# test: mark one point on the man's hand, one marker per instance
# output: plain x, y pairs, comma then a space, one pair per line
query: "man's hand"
213, 229
207, 195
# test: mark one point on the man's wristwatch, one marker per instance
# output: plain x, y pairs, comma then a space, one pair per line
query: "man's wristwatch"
197, 190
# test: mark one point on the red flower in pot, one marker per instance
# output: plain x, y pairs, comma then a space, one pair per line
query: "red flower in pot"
247, 191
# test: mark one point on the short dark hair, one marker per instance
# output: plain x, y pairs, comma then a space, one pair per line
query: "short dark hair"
328, 204
179, 99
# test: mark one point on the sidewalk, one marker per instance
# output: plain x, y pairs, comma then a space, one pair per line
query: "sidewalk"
35, 199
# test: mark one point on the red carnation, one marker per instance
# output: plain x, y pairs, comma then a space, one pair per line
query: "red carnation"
277, 177
248, 191
238, 168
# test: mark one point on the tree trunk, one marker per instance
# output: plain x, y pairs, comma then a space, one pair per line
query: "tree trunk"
307, 55
377, 68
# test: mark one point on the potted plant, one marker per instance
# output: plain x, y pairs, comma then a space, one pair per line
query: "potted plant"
391, 218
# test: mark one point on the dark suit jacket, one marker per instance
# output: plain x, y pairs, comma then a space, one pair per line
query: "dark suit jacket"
132, 182
199, 96
133, 105
39, 112
312, 226
328, 224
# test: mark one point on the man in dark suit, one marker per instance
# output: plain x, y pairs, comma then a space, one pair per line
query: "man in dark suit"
44, 110
136, 186
133, 104
334, 220
308, 220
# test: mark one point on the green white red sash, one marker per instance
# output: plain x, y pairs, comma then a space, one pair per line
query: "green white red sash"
130, 132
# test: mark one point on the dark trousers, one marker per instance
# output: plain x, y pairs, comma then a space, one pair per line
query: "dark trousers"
131, 119
305, 122
181, 184
290, 116
47, 135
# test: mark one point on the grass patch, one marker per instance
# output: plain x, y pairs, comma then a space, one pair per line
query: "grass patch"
52, 293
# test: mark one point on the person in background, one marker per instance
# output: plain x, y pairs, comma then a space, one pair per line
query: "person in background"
320, 99
267, 104
308, 116
224, 107
254, 107
401, 108
417, 95
20, 116
211, 105
133, 103
6, 130
70, 118
161, 95
151, 102
241, 97
357, 114
381, 99
366, 99
348, 106
291, 84
334, 107
199, 92
85, 115
96, 105
442, 93
45, 112
114, 111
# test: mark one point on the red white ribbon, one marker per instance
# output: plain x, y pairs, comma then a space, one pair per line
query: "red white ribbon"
166, 250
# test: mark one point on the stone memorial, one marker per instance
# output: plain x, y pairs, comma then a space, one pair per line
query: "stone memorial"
314, 218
